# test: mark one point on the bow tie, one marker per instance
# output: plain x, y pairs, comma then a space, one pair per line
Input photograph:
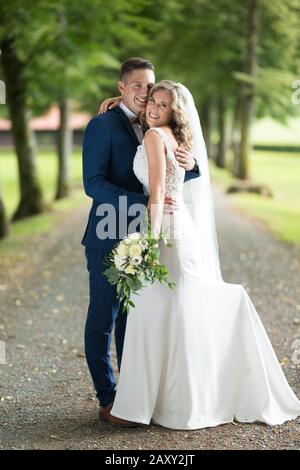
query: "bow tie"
135, 121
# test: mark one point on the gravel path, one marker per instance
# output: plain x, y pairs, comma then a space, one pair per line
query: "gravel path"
46, 397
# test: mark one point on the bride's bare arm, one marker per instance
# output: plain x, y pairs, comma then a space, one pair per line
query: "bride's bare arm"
157, 174
109, 103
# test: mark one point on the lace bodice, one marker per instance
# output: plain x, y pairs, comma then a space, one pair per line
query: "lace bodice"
174, 173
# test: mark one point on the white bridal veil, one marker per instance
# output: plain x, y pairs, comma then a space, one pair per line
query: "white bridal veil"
198, 194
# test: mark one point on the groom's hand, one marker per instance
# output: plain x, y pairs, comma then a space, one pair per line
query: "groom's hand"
185, 159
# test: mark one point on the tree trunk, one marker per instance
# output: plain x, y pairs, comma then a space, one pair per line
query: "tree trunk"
31, 201
65, 138
247, 90
4, 226
206, 125
221, 153
236, 132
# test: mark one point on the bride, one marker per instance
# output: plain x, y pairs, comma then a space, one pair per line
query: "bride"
196, 356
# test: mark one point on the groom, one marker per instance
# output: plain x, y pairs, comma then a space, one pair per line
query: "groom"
109, 146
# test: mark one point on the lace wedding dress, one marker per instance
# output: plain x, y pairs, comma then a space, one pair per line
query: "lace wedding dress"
196, 356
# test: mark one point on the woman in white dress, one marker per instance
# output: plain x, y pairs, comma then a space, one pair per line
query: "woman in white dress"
196, 356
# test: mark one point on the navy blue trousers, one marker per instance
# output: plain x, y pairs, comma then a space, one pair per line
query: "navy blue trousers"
104, 313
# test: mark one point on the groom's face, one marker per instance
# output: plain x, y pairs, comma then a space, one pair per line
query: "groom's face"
134, 89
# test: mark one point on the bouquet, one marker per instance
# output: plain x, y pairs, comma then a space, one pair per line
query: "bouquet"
133, 264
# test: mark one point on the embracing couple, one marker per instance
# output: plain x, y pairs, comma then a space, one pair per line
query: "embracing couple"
196, 356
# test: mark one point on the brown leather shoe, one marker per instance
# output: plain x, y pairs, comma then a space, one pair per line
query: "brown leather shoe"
121, 422
105, 410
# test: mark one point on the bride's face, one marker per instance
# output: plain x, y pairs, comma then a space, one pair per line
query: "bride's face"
159, 109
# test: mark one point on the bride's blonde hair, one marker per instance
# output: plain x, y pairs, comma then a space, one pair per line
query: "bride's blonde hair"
179, 123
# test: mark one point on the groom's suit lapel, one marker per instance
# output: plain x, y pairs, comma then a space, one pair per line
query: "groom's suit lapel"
127, 124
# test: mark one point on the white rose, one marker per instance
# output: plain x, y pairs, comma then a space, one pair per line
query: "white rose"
119, 262
130, 270
134, 236
135, 250
122, 250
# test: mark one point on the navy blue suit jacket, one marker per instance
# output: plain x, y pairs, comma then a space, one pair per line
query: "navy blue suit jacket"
109, 147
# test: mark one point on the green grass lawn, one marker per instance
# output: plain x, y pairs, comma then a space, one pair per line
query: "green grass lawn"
267, 131
47, 172
281, 172
42, 223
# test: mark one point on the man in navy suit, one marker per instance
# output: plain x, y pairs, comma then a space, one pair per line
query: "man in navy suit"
109, 146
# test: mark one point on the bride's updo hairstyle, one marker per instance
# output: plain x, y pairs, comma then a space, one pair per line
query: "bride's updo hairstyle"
179, 123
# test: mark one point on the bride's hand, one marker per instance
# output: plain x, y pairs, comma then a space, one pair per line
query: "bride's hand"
109, 103
185, 159
170, 204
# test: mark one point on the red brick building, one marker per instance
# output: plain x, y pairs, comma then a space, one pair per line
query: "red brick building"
46, 126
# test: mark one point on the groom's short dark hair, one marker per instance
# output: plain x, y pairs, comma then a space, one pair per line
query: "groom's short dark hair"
134, 63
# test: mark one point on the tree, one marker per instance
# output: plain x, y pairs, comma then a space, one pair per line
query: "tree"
222, 144
271, 64
204, 58
15, 78
15, 65
217, 57
89, 38
4, 226
247, 94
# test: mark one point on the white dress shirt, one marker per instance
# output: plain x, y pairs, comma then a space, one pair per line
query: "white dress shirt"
132, 117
